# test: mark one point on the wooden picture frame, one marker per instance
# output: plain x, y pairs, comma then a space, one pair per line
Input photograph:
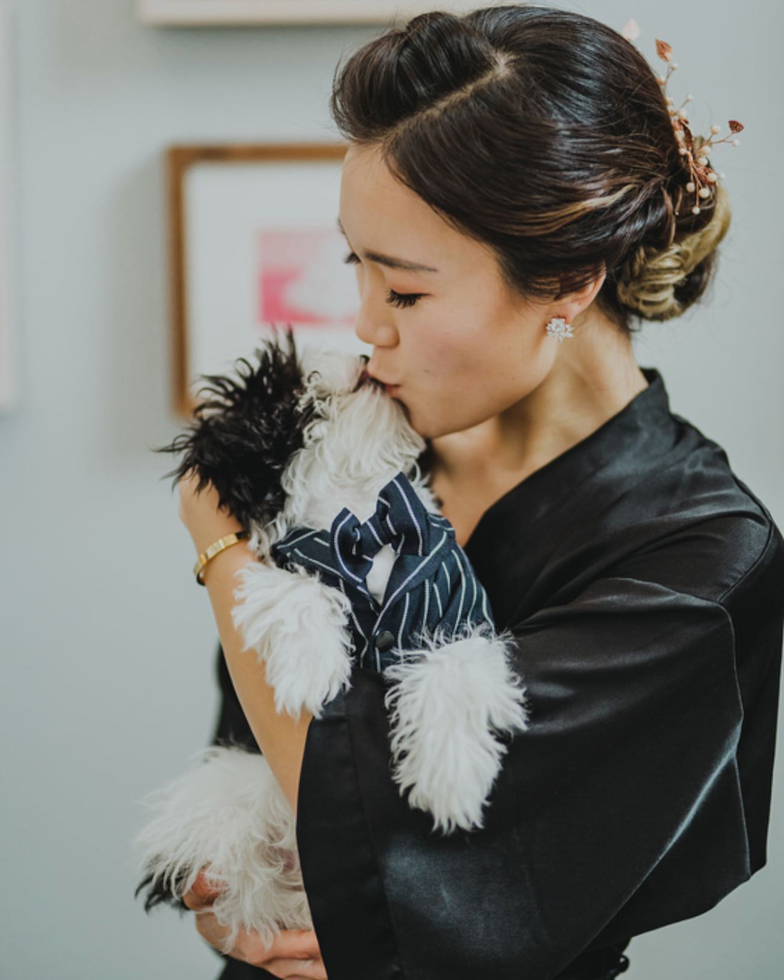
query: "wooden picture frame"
214, 12
253, 241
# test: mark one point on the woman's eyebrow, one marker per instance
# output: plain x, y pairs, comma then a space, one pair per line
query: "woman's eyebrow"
387, 260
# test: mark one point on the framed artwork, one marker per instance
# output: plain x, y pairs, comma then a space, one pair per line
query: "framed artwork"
289, 11
254, 242
9, 383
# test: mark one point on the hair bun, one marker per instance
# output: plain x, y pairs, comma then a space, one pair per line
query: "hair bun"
661, 283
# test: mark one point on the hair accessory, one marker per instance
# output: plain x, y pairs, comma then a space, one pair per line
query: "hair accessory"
559, 328
694, 148
215, 549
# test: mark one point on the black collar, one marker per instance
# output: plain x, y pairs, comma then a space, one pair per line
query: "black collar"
518, 533
641, 430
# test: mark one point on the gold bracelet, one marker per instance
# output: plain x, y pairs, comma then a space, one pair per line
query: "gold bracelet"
215, 549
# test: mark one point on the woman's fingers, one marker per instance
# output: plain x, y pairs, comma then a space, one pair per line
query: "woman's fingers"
202, 894
295, 952
294, 944
209, 929
297, 969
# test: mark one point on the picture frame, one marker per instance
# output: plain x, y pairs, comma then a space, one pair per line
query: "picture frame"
254, 246
269, 12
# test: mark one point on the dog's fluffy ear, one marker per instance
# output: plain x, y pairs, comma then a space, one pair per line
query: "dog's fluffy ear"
244, 436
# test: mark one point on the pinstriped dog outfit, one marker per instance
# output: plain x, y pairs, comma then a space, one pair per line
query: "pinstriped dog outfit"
431, 583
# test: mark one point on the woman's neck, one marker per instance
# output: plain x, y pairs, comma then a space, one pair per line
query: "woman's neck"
588, 383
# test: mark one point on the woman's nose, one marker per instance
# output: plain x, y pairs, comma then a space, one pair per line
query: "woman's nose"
372, 327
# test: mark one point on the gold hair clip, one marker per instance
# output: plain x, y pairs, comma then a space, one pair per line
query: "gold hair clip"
696, 150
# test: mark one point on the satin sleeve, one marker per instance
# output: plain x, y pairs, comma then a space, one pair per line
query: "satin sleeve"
231, 726
635, 716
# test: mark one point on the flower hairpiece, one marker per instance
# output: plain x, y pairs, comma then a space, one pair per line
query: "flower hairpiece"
696, 150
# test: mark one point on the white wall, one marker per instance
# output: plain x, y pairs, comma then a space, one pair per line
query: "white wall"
109, 648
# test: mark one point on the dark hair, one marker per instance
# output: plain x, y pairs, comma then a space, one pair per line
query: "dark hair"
545, 135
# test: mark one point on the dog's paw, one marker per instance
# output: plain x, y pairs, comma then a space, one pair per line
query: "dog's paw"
228, 816
297, 626
449, 702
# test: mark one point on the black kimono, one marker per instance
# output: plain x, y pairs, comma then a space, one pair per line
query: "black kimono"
644, 583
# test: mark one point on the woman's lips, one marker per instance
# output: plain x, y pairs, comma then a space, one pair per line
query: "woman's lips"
365, 377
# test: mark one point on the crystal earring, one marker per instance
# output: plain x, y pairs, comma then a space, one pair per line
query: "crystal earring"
559, 328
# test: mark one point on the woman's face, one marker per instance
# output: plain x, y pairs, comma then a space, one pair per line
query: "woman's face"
459, 343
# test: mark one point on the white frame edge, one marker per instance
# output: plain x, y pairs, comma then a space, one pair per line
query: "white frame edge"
206, 12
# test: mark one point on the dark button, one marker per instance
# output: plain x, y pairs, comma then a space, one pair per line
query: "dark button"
622, 967
384, 640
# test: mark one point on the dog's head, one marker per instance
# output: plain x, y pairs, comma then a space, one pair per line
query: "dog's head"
297, 418
244, 433
355, 440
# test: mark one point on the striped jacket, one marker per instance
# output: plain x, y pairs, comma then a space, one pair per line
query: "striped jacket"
432, 583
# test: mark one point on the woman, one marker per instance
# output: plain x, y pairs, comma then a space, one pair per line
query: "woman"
514, 197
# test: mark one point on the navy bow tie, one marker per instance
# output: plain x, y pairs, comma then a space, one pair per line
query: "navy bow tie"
400, 520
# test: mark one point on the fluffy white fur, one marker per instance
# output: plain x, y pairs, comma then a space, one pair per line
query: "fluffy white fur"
446, 700
297, 625
357, 442
228, 812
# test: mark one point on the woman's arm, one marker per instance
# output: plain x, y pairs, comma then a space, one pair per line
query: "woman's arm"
280, 738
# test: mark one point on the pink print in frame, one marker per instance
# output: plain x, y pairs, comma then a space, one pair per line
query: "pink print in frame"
297, 281
253, 243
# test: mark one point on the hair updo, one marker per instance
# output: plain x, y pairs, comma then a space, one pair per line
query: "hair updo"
545, 135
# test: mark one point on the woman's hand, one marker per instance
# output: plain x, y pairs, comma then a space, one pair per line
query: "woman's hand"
294, 955
201, 515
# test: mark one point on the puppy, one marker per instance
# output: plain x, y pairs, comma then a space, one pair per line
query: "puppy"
356, 569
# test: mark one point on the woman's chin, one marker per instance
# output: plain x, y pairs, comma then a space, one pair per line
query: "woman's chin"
423, 428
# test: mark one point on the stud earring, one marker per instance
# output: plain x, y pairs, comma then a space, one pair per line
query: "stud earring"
559, 328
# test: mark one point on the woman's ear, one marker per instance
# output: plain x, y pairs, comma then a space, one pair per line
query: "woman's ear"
572, 304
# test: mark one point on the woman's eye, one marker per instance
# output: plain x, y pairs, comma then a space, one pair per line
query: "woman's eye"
397, 299
402, 299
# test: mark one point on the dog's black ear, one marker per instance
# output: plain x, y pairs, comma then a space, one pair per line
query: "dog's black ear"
243, 437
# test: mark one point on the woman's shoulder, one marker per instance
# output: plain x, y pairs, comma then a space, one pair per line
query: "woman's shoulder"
715, 531
682, 520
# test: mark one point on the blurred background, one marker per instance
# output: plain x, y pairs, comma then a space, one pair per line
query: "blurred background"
109, 647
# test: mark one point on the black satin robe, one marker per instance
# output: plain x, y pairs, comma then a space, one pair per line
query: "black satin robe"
644, 583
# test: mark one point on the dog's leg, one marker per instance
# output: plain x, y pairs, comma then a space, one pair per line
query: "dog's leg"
297, 626
227, 814
446, 700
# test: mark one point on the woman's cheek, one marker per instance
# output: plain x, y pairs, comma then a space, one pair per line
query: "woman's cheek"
446, 350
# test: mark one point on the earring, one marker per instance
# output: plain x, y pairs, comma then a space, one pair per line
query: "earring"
559, 328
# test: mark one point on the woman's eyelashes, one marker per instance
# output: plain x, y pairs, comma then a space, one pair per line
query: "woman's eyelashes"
402, 299
393, 297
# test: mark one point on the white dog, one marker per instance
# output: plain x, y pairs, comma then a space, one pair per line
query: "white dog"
357, 570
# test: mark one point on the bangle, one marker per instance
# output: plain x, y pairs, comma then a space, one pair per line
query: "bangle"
215, 549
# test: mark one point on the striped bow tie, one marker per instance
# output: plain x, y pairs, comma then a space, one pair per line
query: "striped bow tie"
400, 520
